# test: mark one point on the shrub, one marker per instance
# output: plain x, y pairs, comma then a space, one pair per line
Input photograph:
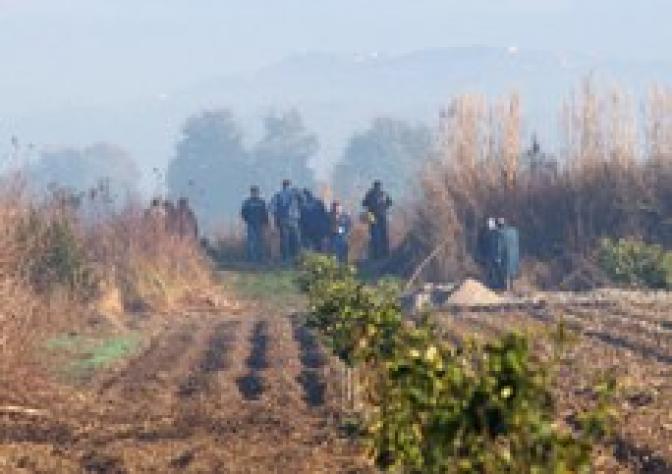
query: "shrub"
634, 263
610, 176
433, 408
356, 321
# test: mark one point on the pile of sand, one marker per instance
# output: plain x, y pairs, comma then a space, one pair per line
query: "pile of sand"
473, 293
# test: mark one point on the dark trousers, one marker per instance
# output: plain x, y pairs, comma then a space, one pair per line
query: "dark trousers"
255, 243
340, 248
290, 240
312, 241
380, 242
492, 275
500, 277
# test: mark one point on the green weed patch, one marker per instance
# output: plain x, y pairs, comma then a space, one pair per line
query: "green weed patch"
272, 286
77, 358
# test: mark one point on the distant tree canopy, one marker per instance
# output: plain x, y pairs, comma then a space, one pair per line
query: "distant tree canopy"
284, 152
83, 169
390, 150
211, 166
214, 170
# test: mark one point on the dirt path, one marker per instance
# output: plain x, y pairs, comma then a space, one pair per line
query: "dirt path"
210, 393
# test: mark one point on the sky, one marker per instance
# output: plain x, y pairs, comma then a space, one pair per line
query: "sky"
81, 53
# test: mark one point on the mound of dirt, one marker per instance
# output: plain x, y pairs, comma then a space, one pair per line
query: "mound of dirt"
473, 293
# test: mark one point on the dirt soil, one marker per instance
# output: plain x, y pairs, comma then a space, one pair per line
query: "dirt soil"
628, 336
473, 293
249, 390
212, 392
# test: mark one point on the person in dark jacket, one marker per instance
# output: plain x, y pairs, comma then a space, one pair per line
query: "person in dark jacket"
170, 213
341, 226
155, 218
314, 222
377, 203
507, 254
486, 252
187, 224
255, 216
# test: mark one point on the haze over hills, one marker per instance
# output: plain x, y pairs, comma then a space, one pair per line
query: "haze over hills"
336, 94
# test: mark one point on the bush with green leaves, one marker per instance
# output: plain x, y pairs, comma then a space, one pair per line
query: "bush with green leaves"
480, 409
434, 408
636, 264
356, 321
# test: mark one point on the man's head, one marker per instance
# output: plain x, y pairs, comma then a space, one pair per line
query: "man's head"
377, 185
156, 202
183, 202
286, 183
254, 191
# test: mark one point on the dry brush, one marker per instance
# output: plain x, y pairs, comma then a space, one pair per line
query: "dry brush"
611, 177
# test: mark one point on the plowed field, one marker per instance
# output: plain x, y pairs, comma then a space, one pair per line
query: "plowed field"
629, 338
210, 392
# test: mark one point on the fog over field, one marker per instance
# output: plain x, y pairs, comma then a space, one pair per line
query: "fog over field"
129, 73
336, 236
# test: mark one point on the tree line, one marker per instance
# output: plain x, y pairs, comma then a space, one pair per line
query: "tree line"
214, 169
213, 166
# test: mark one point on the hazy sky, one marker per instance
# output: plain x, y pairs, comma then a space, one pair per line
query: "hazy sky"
82, 52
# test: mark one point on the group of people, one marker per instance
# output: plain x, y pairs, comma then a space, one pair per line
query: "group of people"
178, 220
303, 223
499, 253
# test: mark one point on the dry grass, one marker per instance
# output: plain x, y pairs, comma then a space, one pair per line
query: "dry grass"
612, 176
66, 259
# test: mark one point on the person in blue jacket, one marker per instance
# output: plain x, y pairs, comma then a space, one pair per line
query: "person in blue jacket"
341, 226
286, 208
507, 258
486, 252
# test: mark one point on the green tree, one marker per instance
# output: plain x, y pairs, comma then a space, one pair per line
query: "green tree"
284, 152
390, 150
211, 166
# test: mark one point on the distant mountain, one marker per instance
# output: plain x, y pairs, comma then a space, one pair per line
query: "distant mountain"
339, 94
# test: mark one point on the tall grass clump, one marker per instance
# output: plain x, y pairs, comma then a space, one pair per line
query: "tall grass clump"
610, 177
68, 256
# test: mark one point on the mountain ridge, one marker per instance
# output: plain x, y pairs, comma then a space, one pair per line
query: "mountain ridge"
339, 94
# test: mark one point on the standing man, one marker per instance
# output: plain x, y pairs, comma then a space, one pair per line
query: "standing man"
314, 222
341, 225
286, 208
486, 252
255, 215
187, 225
155, 218
170, 213
377, 202
507, 254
